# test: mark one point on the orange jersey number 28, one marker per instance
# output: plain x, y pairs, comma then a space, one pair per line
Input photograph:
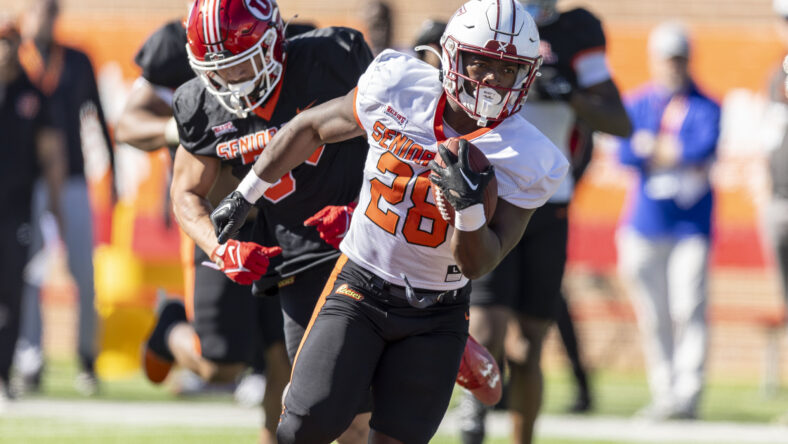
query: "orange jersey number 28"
423, 222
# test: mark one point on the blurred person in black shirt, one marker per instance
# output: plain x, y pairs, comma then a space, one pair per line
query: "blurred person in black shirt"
30, 147
65, 77
234, 327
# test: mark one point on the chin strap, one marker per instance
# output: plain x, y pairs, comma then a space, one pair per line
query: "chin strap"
284, 30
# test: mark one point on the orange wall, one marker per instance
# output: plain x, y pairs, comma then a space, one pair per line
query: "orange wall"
725, 57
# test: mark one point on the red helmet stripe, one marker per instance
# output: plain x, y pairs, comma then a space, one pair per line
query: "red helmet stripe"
217, 25
211, 21
514, 20
206, 28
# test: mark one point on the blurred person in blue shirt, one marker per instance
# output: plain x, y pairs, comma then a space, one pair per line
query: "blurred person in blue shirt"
664, 238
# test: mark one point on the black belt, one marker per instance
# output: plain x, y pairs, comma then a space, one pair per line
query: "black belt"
418, 298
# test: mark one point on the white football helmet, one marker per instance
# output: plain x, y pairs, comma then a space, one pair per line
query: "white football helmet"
500, 29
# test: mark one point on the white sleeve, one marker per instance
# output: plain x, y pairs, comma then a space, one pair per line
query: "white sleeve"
372, 89
591, 67
533, 189
530, 173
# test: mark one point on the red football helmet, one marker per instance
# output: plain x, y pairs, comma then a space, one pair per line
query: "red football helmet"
226, 33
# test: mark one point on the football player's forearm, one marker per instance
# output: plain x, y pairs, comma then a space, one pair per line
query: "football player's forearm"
479, 252
290, 147
142, 130
476, 252
191, 212
330, 122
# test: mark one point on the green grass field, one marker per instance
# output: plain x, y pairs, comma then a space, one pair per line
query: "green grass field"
616, 395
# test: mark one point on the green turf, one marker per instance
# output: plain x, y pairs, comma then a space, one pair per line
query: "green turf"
37, 431
616, 394
58, 382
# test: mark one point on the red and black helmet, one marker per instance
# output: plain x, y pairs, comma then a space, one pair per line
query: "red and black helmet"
226, 33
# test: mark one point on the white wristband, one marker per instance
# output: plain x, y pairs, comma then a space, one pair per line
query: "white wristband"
470, 219
252, 187
171, 136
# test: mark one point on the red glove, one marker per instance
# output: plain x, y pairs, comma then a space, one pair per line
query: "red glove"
479, 373
243, 262
332, 222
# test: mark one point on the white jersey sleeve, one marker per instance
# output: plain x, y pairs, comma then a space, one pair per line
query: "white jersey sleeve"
528, 167
392, 83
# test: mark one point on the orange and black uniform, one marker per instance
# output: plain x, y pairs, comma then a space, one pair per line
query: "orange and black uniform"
66, 78
321, 65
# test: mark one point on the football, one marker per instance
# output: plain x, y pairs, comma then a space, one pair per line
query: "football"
479, 373
478, 163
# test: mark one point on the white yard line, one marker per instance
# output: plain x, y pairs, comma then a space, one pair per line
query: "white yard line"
195, 414
627, 430
190, 414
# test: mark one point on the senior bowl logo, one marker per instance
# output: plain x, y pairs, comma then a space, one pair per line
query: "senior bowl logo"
261, 9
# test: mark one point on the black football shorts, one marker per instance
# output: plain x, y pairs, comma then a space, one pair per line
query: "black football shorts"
231, 324
365, 335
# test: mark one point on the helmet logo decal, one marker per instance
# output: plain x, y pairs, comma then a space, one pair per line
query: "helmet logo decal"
261, 9
499, 46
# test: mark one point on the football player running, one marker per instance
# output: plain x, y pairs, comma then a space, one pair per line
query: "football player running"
218, 314
371, 328
250, 81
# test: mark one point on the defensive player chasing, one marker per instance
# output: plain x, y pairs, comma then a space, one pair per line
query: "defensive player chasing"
250, 82
364, 333
221, 314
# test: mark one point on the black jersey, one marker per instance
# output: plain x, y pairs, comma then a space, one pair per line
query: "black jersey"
68, 82
320, 65
22, 113
571, 34
573, 52
163, 57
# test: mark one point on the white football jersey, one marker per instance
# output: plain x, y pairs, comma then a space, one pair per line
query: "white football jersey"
396, 228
